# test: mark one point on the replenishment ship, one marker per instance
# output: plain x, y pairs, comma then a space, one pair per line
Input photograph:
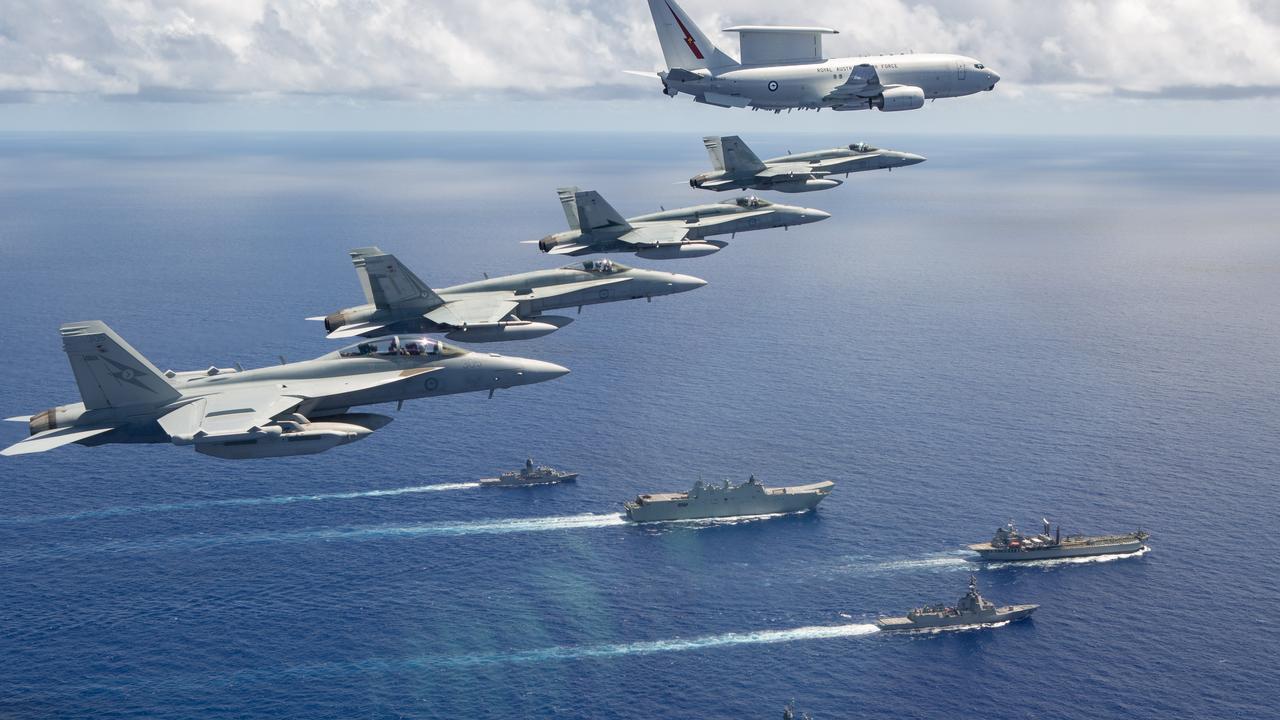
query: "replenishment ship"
1009, 544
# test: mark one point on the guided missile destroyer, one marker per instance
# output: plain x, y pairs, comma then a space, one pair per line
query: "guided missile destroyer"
973, 609
530, 475
1009, 544
727, 500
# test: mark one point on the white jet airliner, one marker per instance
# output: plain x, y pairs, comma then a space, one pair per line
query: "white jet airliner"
784, 68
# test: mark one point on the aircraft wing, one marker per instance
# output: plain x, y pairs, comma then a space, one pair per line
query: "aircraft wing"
240, 411
50, 439
551, 291
717, 184
863, 83
347, 331
567, 249
473, 310
658, 234
791, 170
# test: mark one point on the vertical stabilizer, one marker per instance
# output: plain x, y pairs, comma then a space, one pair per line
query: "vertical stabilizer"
587, 211
387, 282
109, 372
684, 45
729, 153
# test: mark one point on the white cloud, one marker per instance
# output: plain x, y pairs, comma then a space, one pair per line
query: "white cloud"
201, 49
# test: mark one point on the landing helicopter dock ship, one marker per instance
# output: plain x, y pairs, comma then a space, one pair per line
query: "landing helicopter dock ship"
972, 610
530, 475
727, 500
1009, 544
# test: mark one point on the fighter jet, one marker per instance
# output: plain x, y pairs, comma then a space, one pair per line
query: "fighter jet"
291, 409
737, 168
784, 68
595, 227
501, 308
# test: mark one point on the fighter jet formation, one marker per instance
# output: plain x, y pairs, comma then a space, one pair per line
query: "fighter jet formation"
737, 168
595, 227
784, 68
493, 309
305, 407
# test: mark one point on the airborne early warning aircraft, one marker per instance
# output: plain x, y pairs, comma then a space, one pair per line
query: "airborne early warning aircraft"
290, 409
784, 68
493, 309
737, 168
595, 227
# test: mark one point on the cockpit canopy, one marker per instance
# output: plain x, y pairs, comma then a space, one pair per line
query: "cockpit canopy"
862, 147
979, 66
751, 201
407, 345
602, 266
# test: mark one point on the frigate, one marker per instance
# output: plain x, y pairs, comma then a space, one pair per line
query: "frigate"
971, 610
727, 500
1010, 544
530, 475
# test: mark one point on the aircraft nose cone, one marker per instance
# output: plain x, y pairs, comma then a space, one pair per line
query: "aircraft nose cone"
536, 371
812, 215
683, 283
912, 159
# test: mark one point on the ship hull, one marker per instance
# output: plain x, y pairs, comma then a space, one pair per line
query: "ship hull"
686, 509
1062, 551
501, 482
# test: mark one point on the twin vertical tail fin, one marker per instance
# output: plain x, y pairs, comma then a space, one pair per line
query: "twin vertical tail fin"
387, 282
109, 372
730, 154
586, 210
684, 45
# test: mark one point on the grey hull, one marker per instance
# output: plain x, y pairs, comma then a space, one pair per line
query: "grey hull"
1008, 613
503, 482
1061, 551
665, 508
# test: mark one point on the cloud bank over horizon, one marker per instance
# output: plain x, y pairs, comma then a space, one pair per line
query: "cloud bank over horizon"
200, 51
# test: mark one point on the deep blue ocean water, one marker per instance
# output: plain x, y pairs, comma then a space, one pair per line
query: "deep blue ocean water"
1078, 328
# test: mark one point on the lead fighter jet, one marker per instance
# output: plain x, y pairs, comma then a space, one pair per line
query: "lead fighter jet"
493, 309
291, 409
595, 227
737, 168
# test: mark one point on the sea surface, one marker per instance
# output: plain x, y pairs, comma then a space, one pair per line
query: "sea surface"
1078, 329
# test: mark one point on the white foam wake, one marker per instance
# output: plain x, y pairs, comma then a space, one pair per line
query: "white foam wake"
238, 502
759, 637
471, 527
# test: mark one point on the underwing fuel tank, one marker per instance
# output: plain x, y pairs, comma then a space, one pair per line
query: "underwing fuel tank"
288, 438
683, 250
510, 330
797, 186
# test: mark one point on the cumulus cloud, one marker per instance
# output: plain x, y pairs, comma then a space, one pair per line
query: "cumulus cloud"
209, 50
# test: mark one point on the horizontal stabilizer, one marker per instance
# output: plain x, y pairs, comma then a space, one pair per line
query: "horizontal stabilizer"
19, 418
680, 75
347, 331
317, 317
50, 439
717, 184
642, 73
567, 249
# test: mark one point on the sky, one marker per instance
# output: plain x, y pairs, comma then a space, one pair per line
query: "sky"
1182, 67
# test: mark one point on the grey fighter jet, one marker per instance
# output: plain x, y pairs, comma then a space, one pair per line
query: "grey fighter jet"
595, 227
291, 409
737, 168
490, 310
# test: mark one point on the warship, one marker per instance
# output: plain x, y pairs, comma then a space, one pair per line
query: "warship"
1009, 544
973, 609
727, 500
529, 475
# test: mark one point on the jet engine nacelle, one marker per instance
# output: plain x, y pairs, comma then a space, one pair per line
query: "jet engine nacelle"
798, 186
682, 250
287, 438
58, 417
502, 331
899, 98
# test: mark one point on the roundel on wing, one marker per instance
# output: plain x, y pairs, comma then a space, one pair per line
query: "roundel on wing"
432, 383
604, 293
773, 86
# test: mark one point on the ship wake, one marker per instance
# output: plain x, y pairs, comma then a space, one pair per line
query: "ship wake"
236, 502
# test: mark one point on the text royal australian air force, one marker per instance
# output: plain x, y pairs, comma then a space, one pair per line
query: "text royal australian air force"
783, 67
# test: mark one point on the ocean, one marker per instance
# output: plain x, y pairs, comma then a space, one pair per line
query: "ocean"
1082, 329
